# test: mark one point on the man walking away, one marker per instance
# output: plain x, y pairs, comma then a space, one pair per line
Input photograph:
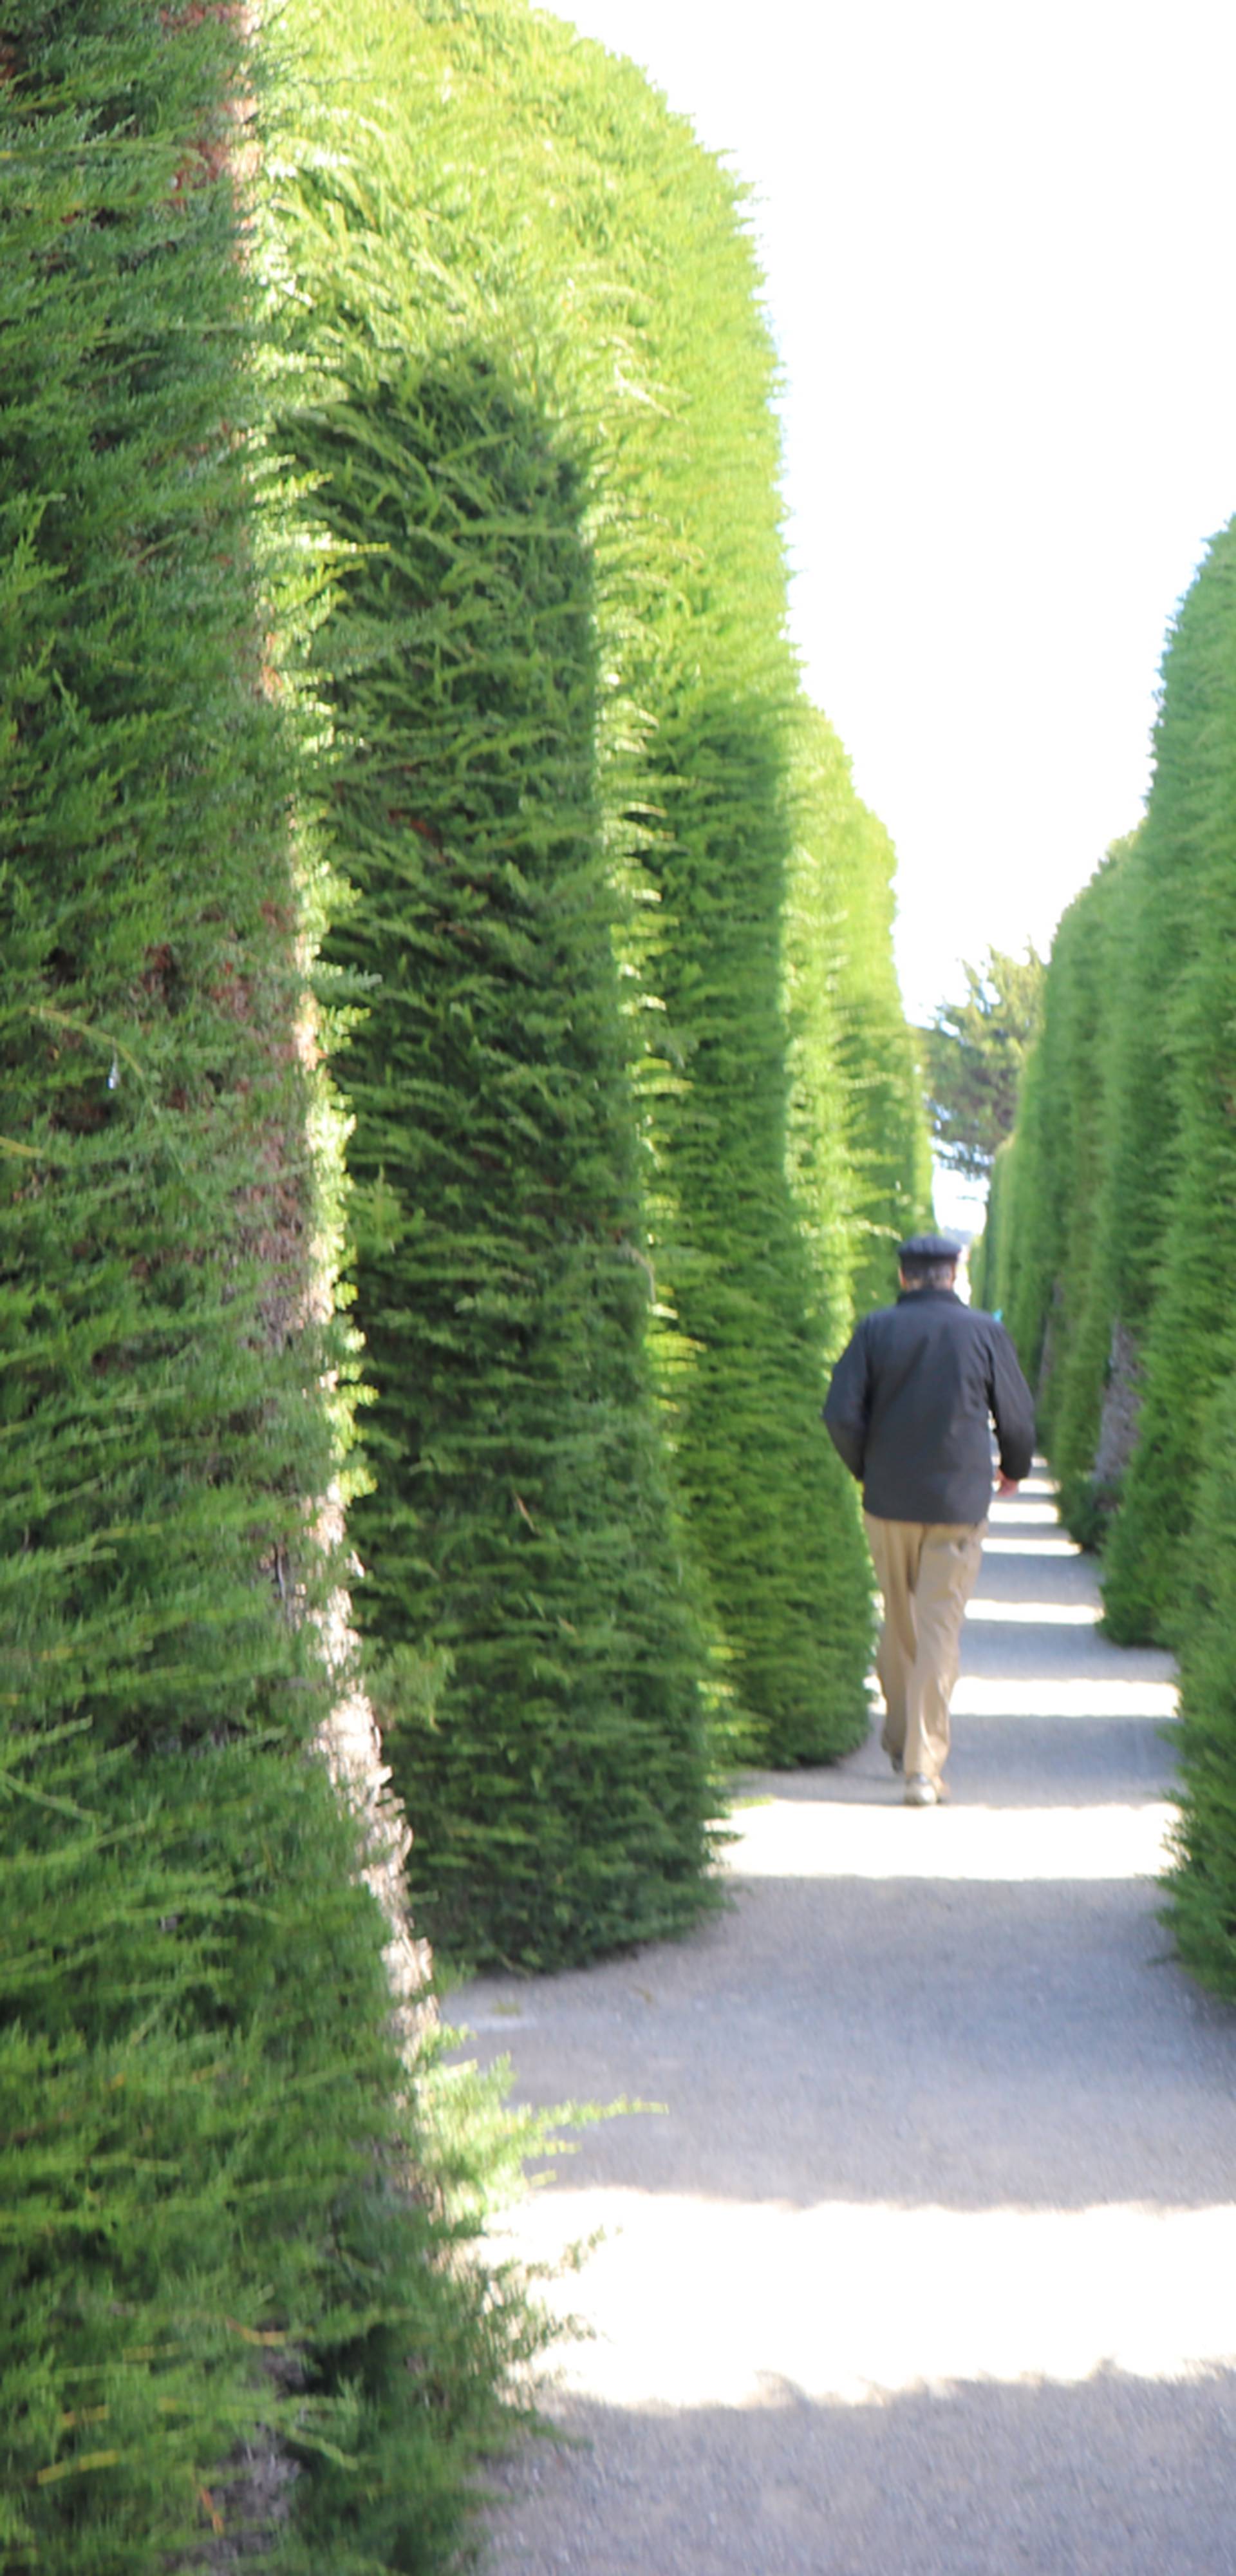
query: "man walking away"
910, 1408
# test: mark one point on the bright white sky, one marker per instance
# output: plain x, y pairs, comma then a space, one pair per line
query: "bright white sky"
999, 246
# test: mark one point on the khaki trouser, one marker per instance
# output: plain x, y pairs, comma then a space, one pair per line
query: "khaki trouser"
926, 1571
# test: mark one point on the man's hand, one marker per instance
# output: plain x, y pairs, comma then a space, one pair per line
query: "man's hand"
1005, 1484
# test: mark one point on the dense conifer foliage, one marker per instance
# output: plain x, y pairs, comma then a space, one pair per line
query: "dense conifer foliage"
1113, 1237
1189, 932
520, 1539
532, 304
1080, 1274
860, 1149
232, 2319
1111, 1254
635, 1110
1202, 1887
1044, 1260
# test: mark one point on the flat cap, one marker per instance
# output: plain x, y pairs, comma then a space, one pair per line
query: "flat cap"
929, 1247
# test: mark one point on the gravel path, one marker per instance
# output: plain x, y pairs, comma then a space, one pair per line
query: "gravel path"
928, 2262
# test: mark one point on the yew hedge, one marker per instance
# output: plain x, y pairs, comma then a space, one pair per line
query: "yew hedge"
1113, 1238
234, 2318
634, 1091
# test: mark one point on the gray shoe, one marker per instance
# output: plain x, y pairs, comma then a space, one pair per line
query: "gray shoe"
897, 1759
920, 1791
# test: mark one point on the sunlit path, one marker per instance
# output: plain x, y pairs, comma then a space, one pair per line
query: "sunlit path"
920, 2257
816, 1841
1007, 2294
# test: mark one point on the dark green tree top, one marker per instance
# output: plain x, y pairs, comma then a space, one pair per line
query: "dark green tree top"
973, 1056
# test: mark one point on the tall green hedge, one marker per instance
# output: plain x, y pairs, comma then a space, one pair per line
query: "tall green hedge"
525, 218
769, 1506
1050, 1255
520, 1536
1175, 1564
864, 1171
1086, 963
1202, 1885
1190, 943
233, 2314
1111, 1214
1131, 1241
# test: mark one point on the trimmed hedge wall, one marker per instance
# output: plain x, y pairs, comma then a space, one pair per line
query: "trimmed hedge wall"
566, 695
861, 1154
1202, 1886
620, 1158
233, 2317
1125, 1262
1190, 945
1050, 1254
520, 1538
1110, 1228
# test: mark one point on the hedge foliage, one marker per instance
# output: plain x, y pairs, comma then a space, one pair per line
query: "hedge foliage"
521, 1532
1043, 1260
860, 1143
1202, 1886
1113, 1240
635, 1103
233, 2313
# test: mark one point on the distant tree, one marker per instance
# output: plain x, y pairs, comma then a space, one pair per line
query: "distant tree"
973, 1057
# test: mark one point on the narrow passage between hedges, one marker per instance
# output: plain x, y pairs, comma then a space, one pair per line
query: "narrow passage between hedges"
926, 2262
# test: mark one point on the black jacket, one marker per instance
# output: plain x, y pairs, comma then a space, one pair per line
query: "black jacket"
911, 1403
